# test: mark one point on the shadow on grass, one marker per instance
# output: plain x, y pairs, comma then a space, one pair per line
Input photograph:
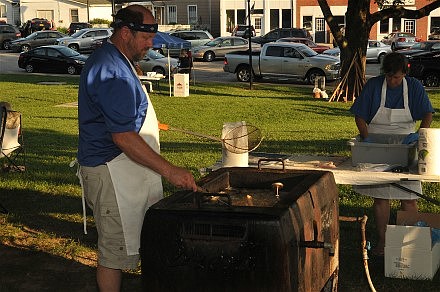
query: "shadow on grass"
36, 78
29, 270
48, 213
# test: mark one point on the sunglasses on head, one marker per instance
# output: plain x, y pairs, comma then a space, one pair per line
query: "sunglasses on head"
144, 27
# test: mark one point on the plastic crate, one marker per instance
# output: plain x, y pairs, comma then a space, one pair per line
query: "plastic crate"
384, 149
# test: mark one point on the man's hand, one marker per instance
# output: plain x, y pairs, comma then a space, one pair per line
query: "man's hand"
182, 178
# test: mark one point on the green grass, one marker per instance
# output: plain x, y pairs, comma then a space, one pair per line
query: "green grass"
45, 205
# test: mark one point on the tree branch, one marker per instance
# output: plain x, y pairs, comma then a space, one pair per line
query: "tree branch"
402, 12
329, 18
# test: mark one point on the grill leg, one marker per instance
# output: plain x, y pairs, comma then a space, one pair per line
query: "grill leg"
3, 209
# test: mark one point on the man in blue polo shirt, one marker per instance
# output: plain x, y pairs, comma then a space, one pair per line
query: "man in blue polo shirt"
390, 104
118, 152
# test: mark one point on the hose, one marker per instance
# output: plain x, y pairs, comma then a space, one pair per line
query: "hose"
363, 221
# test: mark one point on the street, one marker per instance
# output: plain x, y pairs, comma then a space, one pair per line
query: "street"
203, 71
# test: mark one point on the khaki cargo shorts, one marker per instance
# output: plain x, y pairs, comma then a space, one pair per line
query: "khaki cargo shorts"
100, 197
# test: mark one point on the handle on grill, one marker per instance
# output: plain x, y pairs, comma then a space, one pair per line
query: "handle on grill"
318, 244
271, 159
198, 198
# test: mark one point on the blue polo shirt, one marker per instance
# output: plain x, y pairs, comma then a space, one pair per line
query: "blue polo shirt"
368, 102
110, 100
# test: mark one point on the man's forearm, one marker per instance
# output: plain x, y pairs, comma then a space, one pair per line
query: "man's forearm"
138, 150
426, 121
362, 127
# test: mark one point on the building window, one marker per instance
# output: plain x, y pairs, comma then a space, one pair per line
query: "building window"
74, 17
2, 10
435, 23
257, 23
241, 16
48, 14
159, 14
274, 18
397, 24
307, 22
286, 18
409, 26
192, 14
230, 20
384, 25
172, 14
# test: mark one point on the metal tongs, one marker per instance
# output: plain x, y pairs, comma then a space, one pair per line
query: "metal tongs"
203, 195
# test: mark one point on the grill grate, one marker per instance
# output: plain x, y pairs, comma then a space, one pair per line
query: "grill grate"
212, 231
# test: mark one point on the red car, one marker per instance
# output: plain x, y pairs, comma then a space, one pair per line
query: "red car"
317, 48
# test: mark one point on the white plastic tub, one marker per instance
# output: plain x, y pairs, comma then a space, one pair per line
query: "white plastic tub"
384, 149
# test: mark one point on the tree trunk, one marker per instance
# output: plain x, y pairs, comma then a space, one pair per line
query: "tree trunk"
353, 43
353, 47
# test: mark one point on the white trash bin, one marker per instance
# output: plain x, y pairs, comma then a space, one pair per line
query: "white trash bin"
181, 85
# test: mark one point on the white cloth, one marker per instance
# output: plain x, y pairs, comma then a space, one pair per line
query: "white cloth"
136, 187
391, 121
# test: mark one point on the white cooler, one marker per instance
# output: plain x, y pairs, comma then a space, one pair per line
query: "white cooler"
181, 84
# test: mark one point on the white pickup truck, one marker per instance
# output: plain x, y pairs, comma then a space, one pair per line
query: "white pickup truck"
283, 60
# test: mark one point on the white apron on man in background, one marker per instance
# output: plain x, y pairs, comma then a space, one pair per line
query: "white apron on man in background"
391, 121
137, 187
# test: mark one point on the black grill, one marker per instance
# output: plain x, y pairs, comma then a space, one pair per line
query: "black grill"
239, 236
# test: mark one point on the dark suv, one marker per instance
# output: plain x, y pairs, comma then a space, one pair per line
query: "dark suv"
7, 34
35, 24
75, 26
242, 30
278, 33
425, 66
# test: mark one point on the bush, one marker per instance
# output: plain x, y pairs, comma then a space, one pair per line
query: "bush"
99, 21
62, 30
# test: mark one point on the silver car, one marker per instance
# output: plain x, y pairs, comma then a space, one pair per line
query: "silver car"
156, 62
220, 46
36, 39
195, 37
400, 40
85, 39
376, 51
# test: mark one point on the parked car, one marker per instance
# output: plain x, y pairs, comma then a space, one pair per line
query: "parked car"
156, 62
195, 37
435, 34
36, 39
52, 59
85, 39
376, 51
75, 26
8, 33
317, 48
425, 66
35, 24
218, 47
400, 40
278, 33
421, 47
283, 60
242, 30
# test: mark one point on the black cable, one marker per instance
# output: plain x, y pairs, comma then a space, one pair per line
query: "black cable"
431, 200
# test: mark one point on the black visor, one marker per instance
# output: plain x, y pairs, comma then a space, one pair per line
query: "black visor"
152, 28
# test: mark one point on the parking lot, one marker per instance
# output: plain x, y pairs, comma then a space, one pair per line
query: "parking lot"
203, 71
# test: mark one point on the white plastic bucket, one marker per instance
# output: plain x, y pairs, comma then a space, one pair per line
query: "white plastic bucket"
230, 159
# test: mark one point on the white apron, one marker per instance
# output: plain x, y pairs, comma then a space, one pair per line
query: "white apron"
136, 186
391, 121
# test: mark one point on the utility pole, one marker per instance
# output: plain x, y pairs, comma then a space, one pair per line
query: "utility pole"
251, 74
88, 12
